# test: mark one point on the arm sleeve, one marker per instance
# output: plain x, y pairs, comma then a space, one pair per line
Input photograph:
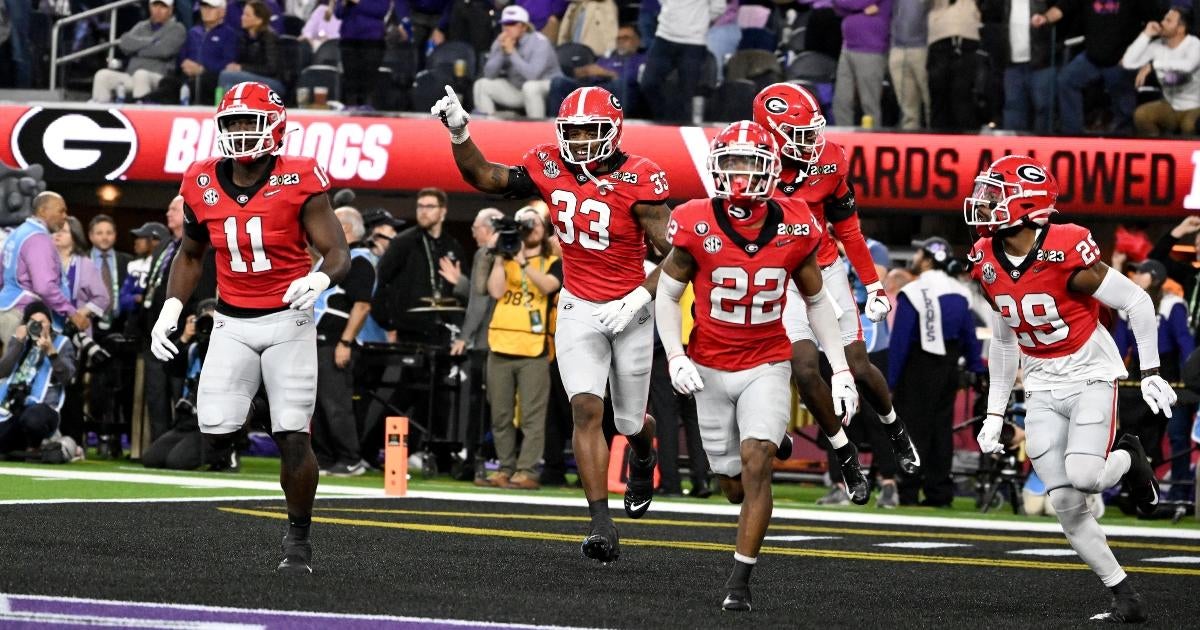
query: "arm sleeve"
1185, 59
479, 311
849, 231
136, 38
95, 292
825, 328
1178, 325
1117, 291
668, 315
194, 229
360, 280
903, 329
63, 366
556, 270
520, 184
43, 279
1138, 54
1003, 359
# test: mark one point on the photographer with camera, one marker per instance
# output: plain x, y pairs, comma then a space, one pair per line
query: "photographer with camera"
36, 365
524, 281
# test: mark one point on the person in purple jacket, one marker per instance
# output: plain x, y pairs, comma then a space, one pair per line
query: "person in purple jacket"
80, 277
362, 47
37, 273
862, 65
211, 45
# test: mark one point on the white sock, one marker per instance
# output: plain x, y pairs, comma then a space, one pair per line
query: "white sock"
744, 559
889, 417
838, 440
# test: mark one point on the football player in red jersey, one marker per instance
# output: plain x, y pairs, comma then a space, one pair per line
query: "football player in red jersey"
1046, 283
817, 171
603, 203
739, 250
260, 210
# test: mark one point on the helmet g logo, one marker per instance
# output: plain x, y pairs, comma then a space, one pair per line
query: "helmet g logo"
274, 98
776, 105
612, 98
1031, 173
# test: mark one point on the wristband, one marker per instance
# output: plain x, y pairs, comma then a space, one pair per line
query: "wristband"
461, 136
343, 342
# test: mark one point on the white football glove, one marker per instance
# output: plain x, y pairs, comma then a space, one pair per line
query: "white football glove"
845, 396
617, 314
989, 435
878, 304
452, 114
684, 376
303, 292
1158, 394
160, 336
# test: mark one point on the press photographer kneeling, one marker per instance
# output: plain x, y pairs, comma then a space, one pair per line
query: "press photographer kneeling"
36, 366
525, 277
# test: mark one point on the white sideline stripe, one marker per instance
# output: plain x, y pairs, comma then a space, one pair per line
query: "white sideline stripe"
1176, 559
922, 545
1043, 552
288, 613
216, 499
800, 538
120, 622
181, 480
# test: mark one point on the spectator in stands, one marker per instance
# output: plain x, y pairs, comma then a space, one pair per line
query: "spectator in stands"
471, 22
1109, 28
20, 73
258, 52
1187, 274
34, 371
211, 46
933, 328
322, 26
863, 62
341, 312
592, 23
361, 41
382, 227
408, 271
616, 72
1175, 345
1028, 72
233, 16
152, 46
906, 61
679, 46
36, 272
1174, 55
953, 44
429, 20
545, 15
519, 67
520, 344
80, 277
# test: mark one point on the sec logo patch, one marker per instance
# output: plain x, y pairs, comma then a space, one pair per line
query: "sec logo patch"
712, 244
211, 197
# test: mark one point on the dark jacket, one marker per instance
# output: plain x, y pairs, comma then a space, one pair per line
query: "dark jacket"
408, 272
1187, 275
1040, 39
260, 55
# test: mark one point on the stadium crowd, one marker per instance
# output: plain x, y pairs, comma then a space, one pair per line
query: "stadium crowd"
955, 65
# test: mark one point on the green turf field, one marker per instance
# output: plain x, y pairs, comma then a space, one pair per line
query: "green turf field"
262, 473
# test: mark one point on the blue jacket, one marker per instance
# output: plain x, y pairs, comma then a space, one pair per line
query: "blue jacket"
958, 326
213, 49
47, 381
1174, 339
362, 19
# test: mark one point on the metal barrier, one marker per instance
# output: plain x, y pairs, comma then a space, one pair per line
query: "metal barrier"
111, 9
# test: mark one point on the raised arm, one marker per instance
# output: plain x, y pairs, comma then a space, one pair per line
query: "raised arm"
485, 176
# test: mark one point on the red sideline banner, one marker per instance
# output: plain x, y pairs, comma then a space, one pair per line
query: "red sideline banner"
914, 172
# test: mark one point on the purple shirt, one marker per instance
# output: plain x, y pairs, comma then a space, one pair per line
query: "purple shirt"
540, 11
626, 66
861, 32
39, 272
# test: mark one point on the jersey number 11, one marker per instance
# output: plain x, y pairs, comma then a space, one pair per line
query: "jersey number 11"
254, 231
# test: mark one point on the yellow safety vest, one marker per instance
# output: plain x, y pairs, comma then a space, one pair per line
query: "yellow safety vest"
521, 323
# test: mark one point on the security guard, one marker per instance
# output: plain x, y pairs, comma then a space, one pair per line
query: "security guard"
933, 328
523, 281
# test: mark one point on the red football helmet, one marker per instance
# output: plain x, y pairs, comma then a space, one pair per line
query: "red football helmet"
263, 105
595, 116
1013, 190
794, 116
744, 163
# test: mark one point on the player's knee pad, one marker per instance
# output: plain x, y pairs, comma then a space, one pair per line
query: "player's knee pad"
1070, 506
1084, 471
221, 413
630, 425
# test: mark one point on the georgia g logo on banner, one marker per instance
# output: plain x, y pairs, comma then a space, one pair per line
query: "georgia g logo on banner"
75, 144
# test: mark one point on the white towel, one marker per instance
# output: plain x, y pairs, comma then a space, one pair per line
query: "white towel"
924, 293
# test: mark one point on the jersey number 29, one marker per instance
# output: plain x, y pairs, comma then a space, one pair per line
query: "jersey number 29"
1040, 311
732, 284
254, 231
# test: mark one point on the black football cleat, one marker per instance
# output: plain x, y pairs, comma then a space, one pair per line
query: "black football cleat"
297, 557
602, 544
1140, 481
784, 452
857, 485
639, 490
907, 457
1124, 609
737, 600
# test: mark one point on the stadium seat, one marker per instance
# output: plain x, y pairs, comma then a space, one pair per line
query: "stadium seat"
292, 25
758, 39
428, 87
322, 76
812, 67
291, 50
758, 66
572, 56
732, 101
444, 58
396, 74
329, 53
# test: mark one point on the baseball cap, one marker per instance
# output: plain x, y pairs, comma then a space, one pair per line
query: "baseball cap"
213, 3
170, 3
1157, 270
380, 216
513, 14
152, 229
937, 248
